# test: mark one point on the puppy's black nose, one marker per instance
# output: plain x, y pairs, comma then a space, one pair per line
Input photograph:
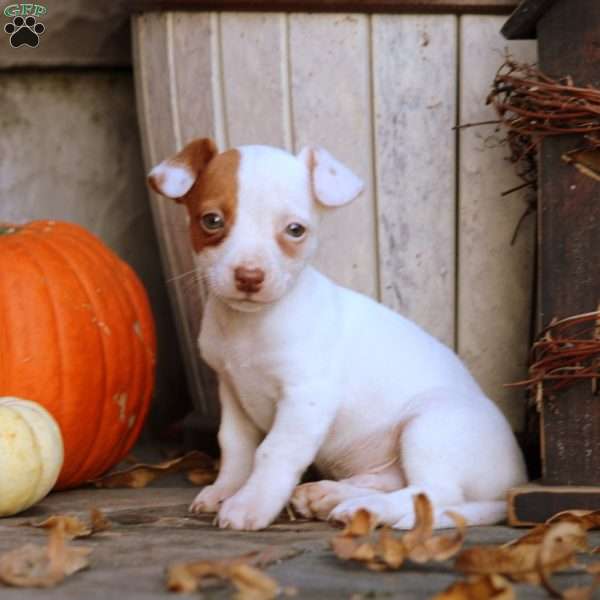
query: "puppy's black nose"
248, 280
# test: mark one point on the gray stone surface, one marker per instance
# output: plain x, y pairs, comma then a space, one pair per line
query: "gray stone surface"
151, 529
70, 150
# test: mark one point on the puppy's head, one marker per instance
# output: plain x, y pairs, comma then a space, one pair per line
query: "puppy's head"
253, 213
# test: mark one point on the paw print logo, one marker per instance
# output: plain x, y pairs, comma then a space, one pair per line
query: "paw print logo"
24, 32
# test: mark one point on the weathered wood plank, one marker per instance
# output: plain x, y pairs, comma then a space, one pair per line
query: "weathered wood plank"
331, 107
495, 279
569, 245
533, 503
361, 6
256, 94
414, 79
162, 109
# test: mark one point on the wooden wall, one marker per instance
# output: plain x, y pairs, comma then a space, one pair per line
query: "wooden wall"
430, 236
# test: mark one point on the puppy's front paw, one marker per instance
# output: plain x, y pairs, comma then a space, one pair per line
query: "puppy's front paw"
247, 511
209, 499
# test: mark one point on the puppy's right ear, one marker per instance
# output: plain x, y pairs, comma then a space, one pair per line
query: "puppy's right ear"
175, 176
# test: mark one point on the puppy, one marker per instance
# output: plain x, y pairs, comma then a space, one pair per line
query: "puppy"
311, 372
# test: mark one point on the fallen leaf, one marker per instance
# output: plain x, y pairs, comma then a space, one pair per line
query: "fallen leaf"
252, 584
526, 561
533, 537
43, 566
388, 551
362, 523
98, 521
589, 519
141, 475
201, 476
423, 527
559, 536
391, 549
484, 587
421, 545
74, 527
188, 577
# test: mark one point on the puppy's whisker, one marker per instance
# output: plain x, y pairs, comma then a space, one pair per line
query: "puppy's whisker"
182, 275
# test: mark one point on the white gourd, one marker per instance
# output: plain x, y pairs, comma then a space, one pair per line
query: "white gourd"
31, 454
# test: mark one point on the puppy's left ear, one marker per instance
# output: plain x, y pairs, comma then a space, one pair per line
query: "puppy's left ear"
175, 176
333, 183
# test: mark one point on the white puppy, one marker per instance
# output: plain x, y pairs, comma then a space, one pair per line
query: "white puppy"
311, 372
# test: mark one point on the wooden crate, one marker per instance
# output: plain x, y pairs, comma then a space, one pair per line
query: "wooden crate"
430, 237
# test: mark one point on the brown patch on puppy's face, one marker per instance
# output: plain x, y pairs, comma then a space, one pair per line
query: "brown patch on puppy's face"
291, 247
212, 201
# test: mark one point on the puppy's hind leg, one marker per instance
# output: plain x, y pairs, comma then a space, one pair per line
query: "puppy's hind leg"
459, 452
317, 499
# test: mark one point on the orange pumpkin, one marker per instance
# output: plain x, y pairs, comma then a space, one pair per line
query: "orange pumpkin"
76, 336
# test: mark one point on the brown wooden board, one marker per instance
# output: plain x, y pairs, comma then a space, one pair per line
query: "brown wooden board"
362, 6
522, 23
569, 221
532, 504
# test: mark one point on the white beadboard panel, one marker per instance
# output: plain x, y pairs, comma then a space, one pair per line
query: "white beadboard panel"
415, 86
494, 278
331, 106
170, 59
255, 78
190, 75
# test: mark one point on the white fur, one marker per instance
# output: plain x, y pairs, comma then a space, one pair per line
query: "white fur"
312, 372
173, 180
334, 184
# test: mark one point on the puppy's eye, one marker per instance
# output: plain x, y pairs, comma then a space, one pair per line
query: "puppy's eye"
211, 222
295, 230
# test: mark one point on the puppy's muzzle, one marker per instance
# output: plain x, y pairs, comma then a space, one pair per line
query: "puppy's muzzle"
248, 280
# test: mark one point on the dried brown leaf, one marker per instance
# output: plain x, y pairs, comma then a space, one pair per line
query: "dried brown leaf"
188, 577
484, 587
420, 543
252, 584
391, 549
526, 561
141, 475
43, 566
98, 521
389, 552
562, 535
533, 536
201, 476
423, 527
344, 546
589, 519
73, 527
441, 547
362, 523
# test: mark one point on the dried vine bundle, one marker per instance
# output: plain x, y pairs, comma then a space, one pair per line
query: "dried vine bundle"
531, 106
567, 351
